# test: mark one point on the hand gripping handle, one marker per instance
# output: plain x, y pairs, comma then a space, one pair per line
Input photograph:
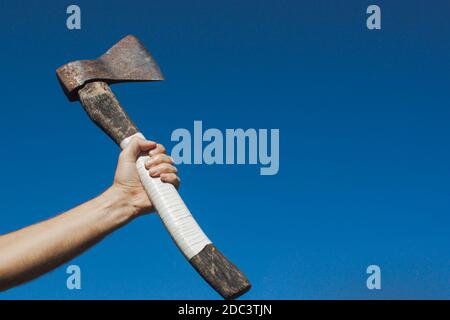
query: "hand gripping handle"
103, 108
175, 215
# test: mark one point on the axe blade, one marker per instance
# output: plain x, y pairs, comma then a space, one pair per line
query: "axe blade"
127, 61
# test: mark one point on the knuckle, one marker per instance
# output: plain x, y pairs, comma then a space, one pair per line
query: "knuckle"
169, 168
158, 158
162, 148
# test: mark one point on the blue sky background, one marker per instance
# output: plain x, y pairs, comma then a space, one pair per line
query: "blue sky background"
364, 127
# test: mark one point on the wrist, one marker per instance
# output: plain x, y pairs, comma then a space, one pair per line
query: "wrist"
117, 205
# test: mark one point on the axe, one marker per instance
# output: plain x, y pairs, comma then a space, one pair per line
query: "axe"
88, 81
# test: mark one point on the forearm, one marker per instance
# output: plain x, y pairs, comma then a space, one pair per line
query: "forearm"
30, 252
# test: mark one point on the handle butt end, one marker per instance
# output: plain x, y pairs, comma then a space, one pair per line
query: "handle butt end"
220, 272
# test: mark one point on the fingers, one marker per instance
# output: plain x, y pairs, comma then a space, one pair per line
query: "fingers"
159, 165
166, 172
158, 159
136, 147
158, 150
159, 162
170, 178
157, 170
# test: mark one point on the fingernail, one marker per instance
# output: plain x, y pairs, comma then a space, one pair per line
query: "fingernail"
153, 171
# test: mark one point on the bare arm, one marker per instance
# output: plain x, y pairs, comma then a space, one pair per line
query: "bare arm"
30, 252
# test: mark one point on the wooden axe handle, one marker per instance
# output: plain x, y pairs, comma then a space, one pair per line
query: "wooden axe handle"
103, 108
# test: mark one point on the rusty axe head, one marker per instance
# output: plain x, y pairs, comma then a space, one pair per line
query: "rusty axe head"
127, 60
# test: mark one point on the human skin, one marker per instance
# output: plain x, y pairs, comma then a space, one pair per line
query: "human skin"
32, 251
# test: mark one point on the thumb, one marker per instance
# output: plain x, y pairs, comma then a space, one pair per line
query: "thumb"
136, 147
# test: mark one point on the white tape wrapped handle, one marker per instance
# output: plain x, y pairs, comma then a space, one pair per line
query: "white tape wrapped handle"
175, 215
